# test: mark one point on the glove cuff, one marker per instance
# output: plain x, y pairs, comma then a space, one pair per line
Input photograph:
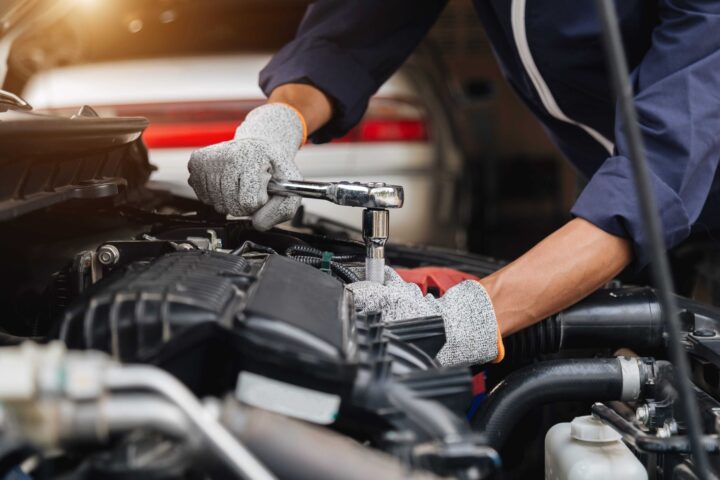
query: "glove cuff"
279, 124
302, 120
470, 326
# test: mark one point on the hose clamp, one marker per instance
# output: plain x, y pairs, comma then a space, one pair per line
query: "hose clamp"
631, 378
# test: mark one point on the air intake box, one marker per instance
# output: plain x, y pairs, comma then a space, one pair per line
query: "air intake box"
207, 315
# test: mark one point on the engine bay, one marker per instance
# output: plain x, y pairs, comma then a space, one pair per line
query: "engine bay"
145, 336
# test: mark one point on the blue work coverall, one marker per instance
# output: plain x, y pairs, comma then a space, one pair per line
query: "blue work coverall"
551, 54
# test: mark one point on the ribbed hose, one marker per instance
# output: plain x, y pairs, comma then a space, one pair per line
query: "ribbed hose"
609, 318
558, 380
538, 339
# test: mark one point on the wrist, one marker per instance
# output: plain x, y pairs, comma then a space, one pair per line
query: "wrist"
278, 124
312, 104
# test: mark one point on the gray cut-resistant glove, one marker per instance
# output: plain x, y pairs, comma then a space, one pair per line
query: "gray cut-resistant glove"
233, 176
471, 329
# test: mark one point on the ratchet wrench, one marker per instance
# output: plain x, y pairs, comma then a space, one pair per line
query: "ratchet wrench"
375, 197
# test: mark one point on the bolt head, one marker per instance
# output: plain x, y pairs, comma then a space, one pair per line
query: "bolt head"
108, 255
642, 414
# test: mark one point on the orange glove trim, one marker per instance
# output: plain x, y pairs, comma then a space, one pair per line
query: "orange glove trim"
500, 347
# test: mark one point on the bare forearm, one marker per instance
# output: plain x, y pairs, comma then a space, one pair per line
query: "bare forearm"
559, 271
312, 103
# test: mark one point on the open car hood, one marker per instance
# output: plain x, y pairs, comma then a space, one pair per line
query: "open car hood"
48, 159
16, 13
16, 16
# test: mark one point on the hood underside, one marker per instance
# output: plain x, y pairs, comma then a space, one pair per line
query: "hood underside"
45, 160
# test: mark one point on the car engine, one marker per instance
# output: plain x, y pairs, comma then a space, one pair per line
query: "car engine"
144, 336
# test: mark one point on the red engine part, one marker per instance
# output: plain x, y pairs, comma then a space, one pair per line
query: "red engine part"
435, 279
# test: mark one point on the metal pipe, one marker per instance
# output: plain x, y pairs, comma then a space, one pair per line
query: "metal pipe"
224, 445
299, 451
144, 411
96, 421
617, 63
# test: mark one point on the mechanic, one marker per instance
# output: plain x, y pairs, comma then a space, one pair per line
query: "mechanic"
551, 53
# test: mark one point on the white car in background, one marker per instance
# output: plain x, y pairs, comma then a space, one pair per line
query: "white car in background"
196, 101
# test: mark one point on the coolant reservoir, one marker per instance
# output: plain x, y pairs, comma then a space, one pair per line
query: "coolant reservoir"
587, 449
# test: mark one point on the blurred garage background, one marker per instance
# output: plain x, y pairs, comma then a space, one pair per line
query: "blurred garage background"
478, 170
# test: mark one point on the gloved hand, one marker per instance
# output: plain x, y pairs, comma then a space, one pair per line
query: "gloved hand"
471, 329
233, 176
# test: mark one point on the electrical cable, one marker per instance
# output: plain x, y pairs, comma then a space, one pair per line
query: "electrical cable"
617, 64
341, 271
316, 258
315, 252
248, 246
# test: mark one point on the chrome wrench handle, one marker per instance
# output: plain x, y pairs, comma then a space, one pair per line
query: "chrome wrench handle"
299, 188
349, 194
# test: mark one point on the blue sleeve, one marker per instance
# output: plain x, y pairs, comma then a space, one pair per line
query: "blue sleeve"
348, 49
677, 94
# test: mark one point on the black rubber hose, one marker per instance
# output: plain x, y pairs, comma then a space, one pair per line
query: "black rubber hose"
609, 318
539, 339
595, 379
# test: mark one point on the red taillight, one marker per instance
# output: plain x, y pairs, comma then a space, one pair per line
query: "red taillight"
188, 135
199, 124
375, 130
392, 131
390, 120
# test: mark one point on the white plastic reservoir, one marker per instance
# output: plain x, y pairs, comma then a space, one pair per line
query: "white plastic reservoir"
587, 449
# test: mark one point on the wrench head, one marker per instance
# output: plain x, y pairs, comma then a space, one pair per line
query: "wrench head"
368, 195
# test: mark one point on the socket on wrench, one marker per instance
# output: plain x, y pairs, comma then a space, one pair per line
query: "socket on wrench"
375, 197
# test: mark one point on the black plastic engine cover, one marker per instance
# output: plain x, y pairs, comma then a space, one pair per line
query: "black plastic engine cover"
208, 317
316, 306
205, 316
